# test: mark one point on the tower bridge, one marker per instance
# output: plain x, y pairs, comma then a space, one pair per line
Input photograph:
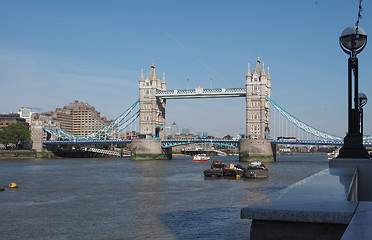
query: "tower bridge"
260, 135
152, 102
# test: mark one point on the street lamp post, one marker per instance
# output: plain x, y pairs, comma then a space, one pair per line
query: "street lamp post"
362, 102
352, 41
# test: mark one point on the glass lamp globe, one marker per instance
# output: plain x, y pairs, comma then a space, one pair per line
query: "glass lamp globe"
362, 99
353, 39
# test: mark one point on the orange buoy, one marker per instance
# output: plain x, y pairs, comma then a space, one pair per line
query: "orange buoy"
13, 185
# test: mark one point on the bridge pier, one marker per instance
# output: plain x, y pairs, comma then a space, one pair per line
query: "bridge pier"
255, 149
149, 149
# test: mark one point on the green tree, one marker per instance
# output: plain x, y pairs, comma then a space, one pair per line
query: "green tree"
15, 133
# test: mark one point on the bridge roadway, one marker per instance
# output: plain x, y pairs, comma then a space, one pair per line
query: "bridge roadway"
176, 142
202, 93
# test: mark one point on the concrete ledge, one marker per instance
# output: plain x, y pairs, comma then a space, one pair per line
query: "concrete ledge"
360, 226
295, 230
320, 198
317, 207
364, 167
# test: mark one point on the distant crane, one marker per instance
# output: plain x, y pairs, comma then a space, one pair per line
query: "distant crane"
33, 108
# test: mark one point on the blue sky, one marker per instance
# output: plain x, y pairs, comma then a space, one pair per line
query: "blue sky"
55, 52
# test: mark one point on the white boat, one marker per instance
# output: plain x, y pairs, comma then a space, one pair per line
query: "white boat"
333, 154
201, 158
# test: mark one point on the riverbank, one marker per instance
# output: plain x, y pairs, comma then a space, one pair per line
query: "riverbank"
24, 154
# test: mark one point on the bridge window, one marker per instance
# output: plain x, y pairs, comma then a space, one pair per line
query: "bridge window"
255, 116
147, 106
255, 104
147, 118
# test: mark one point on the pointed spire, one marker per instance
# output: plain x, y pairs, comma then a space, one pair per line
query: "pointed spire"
263, 68
257, 69
163, 83
152, 75
141, 78
249, 70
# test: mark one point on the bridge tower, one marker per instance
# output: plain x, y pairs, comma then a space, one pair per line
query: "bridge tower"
152, 109
258, 85
257, 144
152, 119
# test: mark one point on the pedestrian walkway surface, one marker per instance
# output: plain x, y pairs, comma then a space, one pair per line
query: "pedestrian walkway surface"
321, 199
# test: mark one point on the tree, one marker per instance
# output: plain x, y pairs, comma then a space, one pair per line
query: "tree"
15, 133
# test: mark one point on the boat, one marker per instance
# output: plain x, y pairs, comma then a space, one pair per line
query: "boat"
285, 151
219, 169
333, 154
256, 170
216, 169
201, 158
233, 170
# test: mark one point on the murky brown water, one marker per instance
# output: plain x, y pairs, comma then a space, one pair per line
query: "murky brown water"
123, 199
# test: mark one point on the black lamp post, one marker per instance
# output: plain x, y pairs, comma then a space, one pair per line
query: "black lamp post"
352, 41
362, 102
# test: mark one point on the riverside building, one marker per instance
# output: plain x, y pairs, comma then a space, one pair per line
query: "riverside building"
7, 119
79, 118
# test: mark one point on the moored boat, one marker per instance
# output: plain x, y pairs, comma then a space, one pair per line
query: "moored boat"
201, 158
219, 169
256, 170
216, 169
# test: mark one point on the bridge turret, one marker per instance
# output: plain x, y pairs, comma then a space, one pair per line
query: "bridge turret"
163, 83
258, 85
152, 108
249, 74
141, 78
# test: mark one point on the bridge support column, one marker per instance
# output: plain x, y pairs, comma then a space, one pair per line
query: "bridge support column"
37, 137
254, 149
149, 149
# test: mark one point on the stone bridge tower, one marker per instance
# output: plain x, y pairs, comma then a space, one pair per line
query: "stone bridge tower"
257, 145
258, 85
152, 109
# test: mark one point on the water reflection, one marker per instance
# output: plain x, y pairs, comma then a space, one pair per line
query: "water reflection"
124, 199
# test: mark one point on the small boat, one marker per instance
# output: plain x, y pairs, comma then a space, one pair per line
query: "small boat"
201, 158
256, 170
333, 154
219, 169
216, 169
285, 151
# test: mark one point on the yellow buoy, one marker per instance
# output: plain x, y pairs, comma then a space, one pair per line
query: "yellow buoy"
13, 185
237, 176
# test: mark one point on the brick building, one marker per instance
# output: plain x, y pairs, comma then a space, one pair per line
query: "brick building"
7, 119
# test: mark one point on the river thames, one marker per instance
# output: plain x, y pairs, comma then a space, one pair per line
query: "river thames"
116, 198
